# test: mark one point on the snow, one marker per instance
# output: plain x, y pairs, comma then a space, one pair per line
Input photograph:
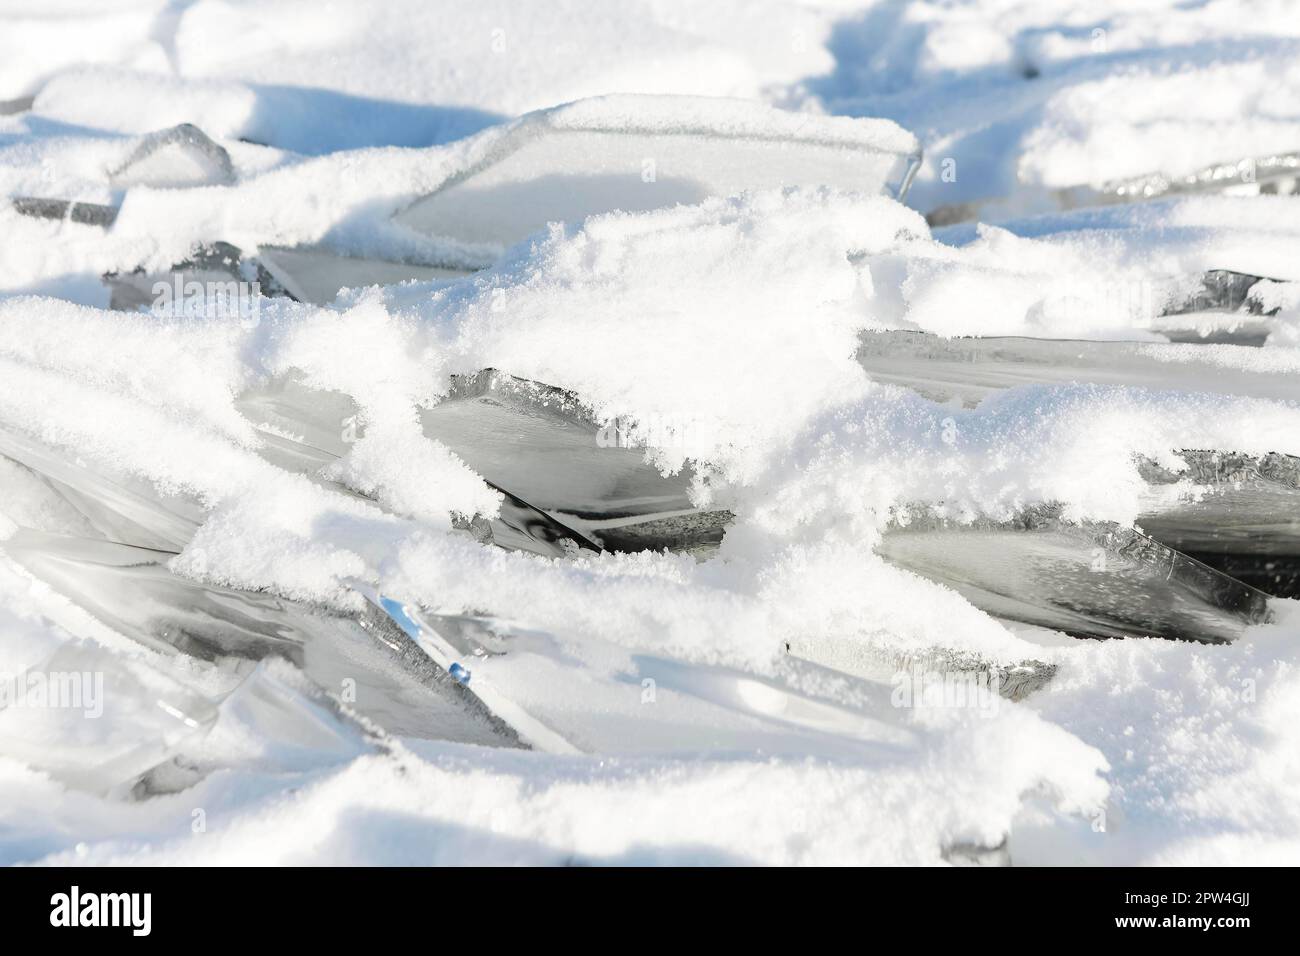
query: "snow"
1068, 93
723, 332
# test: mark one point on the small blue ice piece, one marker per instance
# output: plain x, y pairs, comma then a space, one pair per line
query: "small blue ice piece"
459, 673
397, 611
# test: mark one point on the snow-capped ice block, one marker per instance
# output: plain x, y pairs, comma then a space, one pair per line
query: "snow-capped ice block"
183, 155
637, 153
96, 720
1089, 579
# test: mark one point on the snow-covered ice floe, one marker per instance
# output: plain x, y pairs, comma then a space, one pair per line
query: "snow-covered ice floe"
643, 479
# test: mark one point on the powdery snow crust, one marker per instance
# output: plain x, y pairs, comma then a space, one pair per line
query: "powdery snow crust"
736, 319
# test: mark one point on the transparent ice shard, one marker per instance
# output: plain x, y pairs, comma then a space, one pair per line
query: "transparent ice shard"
101, 719
972, 368
879, 662
180, 156
1273, 174
637, 153
1089, 580
290, 723
1245, 521
211, 265
1224, 309
85, 213
542, 442
1221, 290
536, 443
131, 590
317, 276
117, 507
441, 644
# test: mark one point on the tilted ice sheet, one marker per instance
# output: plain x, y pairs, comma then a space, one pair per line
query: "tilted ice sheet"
638, 153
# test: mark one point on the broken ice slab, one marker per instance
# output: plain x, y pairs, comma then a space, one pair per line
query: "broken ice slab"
325, 423
302, 274
318, 275
230, 284
970, 369
131, 591
537, 443
1245, 520
116, 507
294, 723
440, 641
876, 661
1274, 174
638, 153
543, 444
1216, 328
1222, 290
95, 720
85, 213
20, 105
628, 153
1224, 310
180, 156
1089, 580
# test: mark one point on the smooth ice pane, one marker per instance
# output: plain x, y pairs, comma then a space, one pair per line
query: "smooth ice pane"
180, 156
641, 153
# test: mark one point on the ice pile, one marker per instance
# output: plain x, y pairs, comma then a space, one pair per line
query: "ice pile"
724, 333
740, 314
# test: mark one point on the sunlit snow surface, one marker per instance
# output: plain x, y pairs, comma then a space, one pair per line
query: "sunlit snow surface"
663, 717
